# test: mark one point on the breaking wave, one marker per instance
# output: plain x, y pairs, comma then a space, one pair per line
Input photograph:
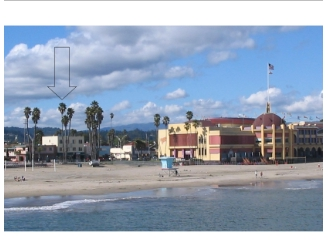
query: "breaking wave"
66, 204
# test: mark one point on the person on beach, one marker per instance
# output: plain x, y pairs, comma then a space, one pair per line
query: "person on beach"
255, 173
261, 174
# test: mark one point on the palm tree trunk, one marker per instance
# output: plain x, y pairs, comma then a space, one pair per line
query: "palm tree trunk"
69, 132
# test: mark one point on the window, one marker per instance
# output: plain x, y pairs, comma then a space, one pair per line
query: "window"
60, 141
50, 148
73, 141
60, 149
80, 148
74, 149
80, 141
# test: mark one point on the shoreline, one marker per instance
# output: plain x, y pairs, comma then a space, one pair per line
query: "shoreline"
124, 177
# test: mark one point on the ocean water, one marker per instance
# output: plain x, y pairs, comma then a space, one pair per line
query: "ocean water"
269, 206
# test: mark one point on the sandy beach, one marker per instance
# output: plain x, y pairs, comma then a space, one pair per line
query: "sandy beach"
126, 177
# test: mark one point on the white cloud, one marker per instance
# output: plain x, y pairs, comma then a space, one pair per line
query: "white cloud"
177, 72
205, 104
117, 56
217, 57
260, 98
311, 104
172, 109
121, 106
179, 93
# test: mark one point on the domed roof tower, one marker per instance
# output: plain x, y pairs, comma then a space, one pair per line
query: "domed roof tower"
268, 118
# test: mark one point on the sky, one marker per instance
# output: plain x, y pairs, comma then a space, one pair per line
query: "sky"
135, 72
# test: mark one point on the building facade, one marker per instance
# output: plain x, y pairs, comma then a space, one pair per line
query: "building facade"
266, 138
75, 145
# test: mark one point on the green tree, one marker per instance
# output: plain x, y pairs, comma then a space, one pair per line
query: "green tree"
62, 109
166, 121
187, 127
189, 116
196, 124
35, 118
100, 117
111, 119
38, 137
172, 130
70, 113
74, 132
27, 113
157, 122
111, 136
93, 120
65, 121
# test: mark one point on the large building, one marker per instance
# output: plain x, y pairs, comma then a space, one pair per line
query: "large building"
75, 145
268, 137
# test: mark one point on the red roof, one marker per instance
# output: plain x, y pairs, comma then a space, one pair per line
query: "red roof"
267, 119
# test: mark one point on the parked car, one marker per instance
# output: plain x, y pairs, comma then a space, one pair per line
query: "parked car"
94, 163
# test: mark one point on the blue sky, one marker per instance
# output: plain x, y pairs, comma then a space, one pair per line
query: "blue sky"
138, 71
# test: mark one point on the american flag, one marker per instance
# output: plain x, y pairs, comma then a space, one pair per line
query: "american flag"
271, 67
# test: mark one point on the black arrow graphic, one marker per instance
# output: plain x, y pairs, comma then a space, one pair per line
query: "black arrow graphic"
62, 68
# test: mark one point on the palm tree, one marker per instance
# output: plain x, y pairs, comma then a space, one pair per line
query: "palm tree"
38, 137
196, 124
70, 113
65, 121
58, 132
111, 135
73, 132
88, 122
171, 130
187, 127
27, 113
62, 109
111, 119
166, 121
93, 120
189, 116
100, 117
157, 122
35, 118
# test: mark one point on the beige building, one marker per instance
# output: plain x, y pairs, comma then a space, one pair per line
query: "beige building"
267, 138
75, 144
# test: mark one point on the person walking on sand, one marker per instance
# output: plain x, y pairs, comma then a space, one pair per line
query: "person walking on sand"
261, 174
255, 173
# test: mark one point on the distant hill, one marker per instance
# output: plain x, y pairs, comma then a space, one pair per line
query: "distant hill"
131, 127
11, 132
134, 131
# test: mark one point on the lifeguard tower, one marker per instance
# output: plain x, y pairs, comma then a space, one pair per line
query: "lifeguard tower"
167, 165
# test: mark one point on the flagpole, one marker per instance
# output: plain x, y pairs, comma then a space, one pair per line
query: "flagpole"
268, 82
